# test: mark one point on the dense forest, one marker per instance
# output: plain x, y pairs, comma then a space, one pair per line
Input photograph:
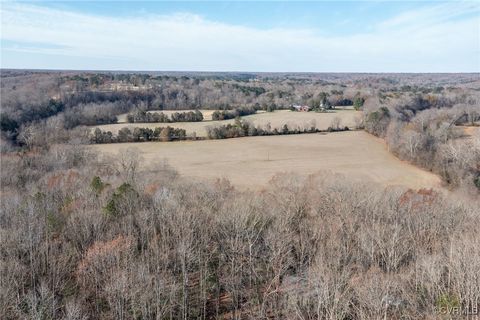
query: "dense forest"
92, 236
426, 130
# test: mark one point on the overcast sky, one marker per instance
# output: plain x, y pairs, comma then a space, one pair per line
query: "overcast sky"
243, 36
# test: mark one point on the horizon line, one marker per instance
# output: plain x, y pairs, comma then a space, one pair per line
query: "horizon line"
236, 71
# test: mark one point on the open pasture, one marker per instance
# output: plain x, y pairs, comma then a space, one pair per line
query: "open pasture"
251, 162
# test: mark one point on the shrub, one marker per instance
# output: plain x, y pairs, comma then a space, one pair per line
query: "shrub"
477, 182
358, 103
97, 185
121, 200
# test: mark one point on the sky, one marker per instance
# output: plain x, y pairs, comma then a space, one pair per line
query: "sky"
270, 36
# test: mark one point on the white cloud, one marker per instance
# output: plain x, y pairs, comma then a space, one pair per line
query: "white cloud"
427, 16
435, 38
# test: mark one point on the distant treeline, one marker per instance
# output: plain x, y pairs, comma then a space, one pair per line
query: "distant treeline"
149, 117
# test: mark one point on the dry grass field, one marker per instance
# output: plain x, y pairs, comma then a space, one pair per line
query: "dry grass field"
276, 120
252, 161
471, 130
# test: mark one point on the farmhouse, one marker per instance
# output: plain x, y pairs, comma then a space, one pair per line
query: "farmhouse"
301, 108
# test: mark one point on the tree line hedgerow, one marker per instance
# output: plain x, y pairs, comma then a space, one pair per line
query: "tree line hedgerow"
148, 117
139, 135
241, 128
232, 114
244, 128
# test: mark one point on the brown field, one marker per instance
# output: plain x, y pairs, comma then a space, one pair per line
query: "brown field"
252, 161
471, 130
276, 119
